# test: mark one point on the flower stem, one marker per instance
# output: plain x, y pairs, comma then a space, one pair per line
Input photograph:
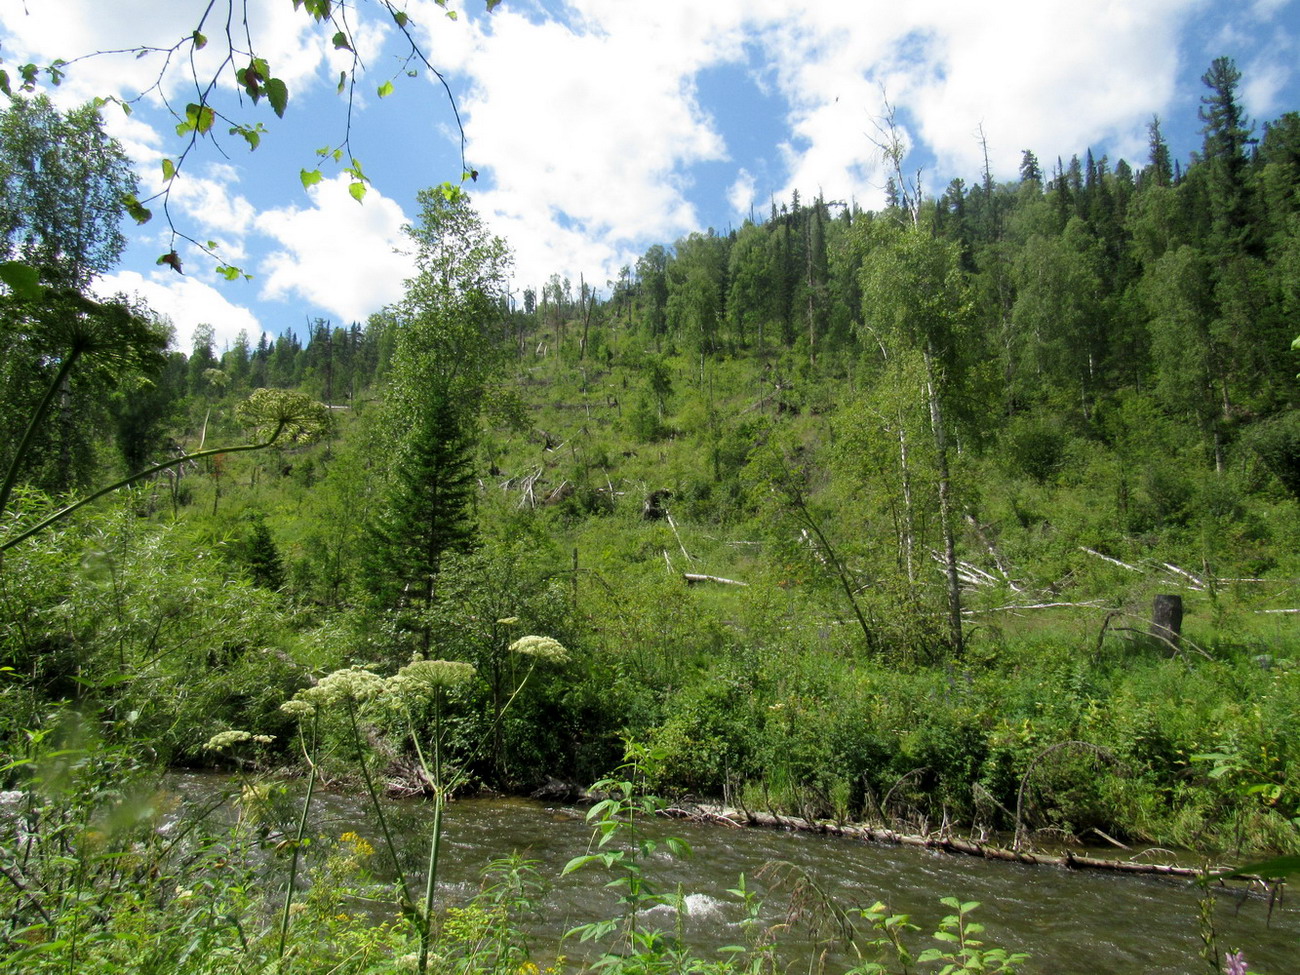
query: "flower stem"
297, 847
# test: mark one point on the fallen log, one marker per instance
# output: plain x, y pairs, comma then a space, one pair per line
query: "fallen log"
940, 842
693, 577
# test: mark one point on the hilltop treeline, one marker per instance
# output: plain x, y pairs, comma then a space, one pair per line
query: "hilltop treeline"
845, 512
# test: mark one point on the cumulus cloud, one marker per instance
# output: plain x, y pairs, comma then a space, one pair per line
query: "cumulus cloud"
336, 254
589, 116
188, 302
102, 41
588, 122
590, 125
742, 193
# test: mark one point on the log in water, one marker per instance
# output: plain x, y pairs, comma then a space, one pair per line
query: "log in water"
1072, 922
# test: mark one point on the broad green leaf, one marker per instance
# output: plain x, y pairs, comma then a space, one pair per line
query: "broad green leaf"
358, 191
4, 82
1283, 866
278, 94
197, 118
310, 177
22, 279
200, 42
577, 863
343, 80
251, 134
212, 245
29, 73
492, 4
385, 89
172, 260
169, 170
126, 108
401, 18
341, 42
228, 272
136, 210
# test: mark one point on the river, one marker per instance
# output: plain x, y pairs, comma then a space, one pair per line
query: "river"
1071, 922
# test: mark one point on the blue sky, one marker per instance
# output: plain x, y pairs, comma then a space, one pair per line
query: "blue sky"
600, 127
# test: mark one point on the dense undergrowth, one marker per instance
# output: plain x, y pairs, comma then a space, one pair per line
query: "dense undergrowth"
204, 617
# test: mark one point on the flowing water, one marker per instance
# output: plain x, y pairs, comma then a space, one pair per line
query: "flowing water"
1071, 922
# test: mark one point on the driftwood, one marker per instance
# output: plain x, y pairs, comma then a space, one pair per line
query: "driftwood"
941, 842
694, 577
1107, 558
1015, 607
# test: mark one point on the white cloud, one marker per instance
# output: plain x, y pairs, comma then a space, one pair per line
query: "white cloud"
188, 302
1033, 75
588, 130
212, 202
1263, 81
585, 118
295, 47
336, 254
742, 193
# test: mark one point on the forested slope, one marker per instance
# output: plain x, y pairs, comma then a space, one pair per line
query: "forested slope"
846, 512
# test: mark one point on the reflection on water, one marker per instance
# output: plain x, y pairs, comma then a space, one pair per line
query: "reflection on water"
1071, 922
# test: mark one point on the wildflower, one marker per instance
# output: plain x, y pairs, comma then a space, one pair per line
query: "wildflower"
296, 707
224, 739
355, 684
1235, 963
508, 621
256, 794
541, 647
360, 845
420, 678
264, 739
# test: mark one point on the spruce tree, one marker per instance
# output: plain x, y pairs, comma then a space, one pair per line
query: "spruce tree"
1226, 133
428, 510
446, 351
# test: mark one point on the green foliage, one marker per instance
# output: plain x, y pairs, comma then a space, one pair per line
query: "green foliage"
446, 358
965, 953
1277, 442
627, 852
55, 170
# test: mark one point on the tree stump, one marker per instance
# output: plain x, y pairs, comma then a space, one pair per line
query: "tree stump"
1167, 619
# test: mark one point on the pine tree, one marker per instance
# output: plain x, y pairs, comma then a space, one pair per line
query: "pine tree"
446, 350
1159, 170
1030, 171
428, 511
1226, 135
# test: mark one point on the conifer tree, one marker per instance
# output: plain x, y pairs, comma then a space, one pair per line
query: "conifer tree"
1226, 134
445, 354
